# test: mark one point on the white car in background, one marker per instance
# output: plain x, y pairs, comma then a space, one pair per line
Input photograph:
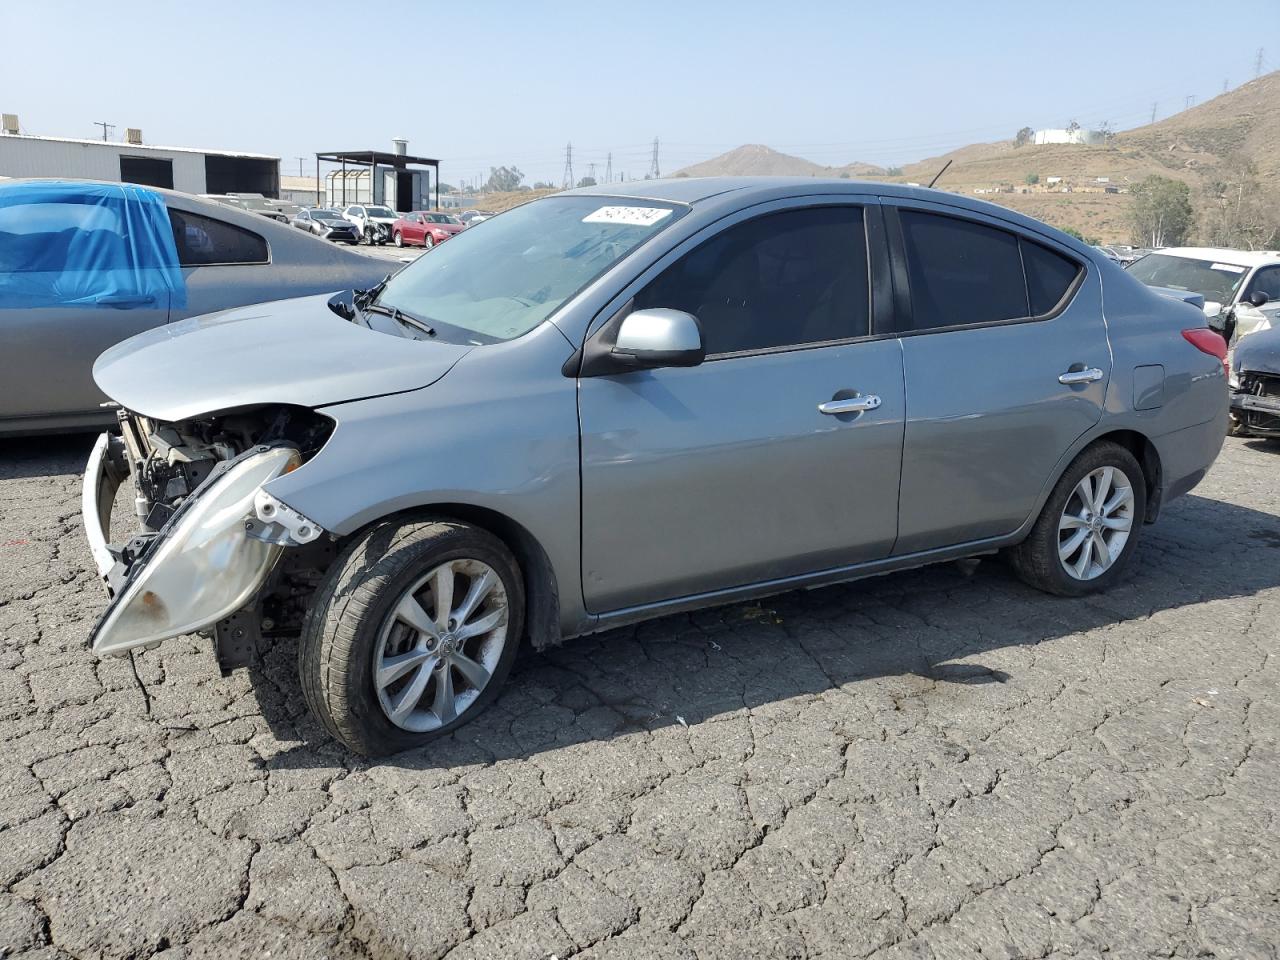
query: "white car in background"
373, 221
1247, 280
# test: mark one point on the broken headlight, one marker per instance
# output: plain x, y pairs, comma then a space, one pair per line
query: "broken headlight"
204, 566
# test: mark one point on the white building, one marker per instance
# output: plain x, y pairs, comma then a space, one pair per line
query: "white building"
178, 168
1069, 135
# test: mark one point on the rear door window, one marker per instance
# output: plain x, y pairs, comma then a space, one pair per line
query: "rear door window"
203, 241
961, 272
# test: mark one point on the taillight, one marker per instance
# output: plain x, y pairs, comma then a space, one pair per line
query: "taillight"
1210, 342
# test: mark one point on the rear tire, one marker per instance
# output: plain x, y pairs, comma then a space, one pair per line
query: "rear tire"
356, 633
1061, 554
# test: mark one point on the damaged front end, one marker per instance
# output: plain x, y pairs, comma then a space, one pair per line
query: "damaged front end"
1255, 385
208, 551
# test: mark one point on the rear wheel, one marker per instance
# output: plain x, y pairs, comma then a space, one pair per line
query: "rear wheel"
1089, 526
399, 240
411, 635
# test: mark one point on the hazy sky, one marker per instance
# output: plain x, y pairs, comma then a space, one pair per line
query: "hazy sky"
482, 83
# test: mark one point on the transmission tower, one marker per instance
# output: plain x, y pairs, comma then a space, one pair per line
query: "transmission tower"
654, 172
1258, 61
1191, 101
568, 166
608, 169
591, 172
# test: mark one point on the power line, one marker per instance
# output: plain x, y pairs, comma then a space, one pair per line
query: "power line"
568, 166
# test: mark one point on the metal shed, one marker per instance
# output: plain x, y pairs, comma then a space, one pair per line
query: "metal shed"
391, 180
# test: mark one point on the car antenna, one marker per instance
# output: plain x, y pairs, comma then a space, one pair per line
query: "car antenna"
939, 174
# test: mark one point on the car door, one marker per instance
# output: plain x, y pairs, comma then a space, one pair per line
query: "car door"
1006, 361
70, 287
416, 228
725, 474
1265, 280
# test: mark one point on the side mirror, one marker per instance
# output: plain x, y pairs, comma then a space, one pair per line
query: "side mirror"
643, 340
1259, 298
659, 338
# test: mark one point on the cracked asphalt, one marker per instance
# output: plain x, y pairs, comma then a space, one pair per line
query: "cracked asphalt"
935, 764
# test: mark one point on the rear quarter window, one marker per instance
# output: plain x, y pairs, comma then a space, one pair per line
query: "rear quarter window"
203, 241
1050, 277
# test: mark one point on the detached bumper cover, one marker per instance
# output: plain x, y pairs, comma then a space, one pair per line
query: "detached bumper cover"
103, 475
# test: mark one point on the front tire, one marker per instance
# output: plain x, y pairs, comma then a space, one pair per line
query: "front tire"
1087, 531
411, 634
399, 240
428, 242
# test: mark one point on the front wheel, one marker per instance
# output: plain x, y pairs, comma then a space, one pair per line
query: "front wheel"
411, 634
398, 239
428, 242
1089, 526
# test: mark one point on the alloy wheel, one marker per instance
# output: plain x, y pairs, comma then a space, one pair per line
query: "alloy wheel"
1095, 523
441, 644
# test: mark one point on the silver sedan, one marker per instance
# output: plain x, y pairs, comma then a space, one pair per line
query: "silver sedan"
623, 402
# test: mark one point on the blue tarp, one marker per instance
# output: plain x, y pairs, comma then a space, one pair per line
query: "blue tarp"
108, 245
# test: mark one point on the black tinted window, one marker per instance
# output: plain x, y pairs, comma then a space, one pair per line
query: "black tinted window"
1268, 281
1049, 276
787, 278
961, 272
203, 240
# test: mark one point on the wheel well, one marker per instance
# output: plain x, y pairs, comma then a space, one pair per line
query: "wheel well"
542, 618
1144, 451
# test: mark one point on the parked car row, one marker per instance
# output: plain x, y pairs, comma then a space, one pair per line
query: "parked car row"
377, 224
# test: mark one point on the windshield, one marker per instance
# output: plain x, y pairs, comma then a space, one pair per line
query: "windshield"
500, 282
439, 218
326, 214
254, 203
1212, 279
380, 212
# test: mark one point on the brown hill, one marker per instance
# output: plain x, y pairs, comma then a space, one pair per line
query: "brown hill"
757, 160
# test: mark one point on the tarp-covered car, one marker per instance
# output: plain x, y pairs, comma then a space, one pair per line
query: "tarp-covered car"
84, 265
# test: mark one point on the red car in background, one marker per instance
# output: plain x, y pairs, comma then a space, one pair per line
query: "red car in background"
424, 228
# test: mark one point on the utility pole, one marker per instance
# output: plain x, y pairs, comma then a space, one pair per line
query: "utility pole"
301, 161
591, 171
608, 169
1191, 101
568, 166
1224, 84
105, 127
1258, 62
1153, 111
654, 172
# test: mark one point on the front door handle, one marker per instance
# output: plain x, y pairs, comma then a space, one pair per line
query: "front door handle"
1087, 375
851, 405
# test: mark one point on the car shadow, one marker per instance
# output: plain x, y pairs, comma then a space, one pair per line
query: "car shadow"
47, 455
932, 624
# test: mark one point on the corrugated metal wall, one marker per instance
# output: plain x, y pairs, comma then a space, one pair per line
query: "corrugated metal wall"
26, 157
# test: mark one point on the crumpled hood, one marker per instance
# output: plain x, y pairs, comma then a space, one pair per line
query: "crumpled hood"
287, 351
1259, 352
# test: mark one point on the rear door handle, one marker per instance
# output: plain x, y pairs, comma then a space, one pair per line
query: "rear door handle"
1087, 375
852, 405
122, 301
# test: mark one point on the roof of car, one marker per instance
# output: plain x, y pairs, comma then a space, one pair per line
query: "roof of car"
1241, 258
693, 190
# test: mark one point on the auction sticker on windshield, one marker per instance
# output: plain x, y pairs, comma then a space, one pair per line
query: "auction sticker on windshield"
1228, 267
631, 216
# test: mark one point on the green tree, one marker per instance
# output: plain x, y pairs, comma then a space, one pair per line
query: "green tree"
894, 171
1033, 179
1161, 215
503, 180
1073, 232
1023, 137
1238, 211
587, 182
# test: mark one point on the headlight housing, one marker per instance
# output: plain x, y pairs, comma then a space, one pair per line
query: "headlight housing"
205, 565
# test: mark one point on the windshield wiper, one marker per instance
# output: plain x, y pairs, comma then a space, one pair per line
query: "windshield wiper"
364, 297
408, 319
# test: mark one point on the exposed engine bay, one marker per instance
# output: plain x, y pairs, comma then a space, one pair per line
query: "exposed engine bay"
171, 464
